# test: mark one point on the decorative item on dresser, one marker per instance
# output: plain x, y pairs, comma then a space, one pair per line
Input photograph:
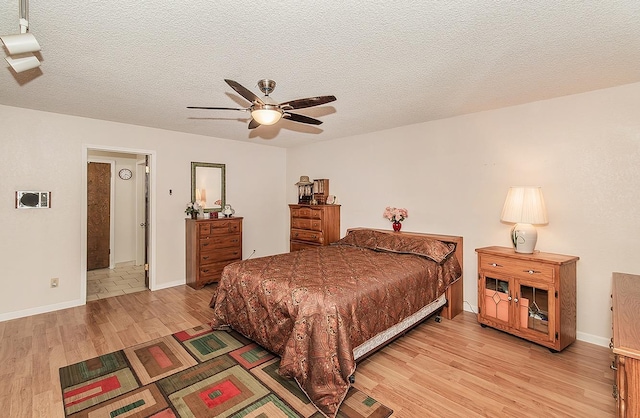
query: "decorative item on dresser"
532, 296
211, 245
305, 190
313, 192
193, 209
625, 299
320, 191
228, 211
313, 225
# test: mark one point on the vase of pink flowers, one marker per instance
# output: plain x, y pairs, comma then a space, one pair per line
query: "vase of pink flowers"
396, 216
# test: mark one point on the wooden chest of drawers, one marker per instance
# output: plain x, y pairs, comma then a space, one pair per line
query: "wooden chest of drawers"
211, 245
626, 343
313, 225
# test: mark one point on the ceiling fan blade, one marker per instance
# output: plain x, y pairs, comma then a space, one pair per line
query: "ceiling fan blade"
301, 118
243, 91
308, 102
253, 124
216, 108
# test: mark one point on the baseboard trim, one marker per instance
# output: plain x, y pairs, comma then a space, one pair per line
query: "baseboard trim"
593, 339
170, 284
40, 309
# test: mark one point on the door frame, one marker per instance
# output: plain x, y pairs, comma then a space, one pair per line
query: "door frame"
151, 244
140, 210
112, 212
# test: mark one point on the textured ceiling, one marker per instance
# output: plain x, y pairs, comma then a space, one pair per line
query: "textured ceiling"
388, 63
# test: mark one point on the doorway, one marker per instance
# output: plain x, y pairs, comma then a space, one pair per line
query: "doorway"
115, 206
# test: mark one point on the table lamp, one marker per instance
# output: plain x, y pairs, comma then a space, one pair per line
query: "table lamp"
525, 207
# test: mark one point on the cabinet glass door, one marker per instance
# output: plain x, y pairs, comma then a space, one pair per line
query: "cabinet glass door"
496, 299
534, 303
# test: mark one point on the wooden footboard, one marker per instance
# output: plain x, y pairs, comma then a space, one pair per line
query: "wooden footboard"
454, 293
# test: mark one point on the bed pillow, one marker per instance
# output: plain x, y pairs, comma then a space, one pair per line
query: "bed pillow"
433, 249
363, 238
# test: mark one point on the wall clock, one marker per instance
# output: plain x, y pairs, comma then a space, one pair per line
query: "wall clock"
125, 174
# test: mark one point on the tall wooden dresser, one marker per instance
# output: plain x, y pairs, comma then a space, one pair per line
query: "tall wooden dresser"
211, 245
313, 225
626, 343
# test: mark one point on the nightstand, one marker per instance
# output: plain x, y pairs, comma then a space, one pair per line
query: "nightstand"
532, 296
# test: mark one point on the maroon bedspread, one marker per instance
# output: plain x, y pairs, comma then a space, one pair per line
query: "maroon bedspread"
312, 307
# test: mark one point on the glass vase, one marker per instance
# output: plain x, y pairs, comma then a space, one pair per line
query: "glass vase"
397, 226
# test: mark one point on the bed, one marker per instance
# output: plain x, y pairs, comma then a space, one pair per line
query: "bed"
323, 309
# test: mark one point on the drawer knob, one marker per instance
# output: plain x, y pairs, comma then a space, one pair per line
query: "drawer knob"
495, 265
206, 257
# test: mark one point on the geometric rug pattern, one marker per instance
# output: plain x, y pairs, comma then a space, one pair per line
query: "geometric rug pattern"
194, 373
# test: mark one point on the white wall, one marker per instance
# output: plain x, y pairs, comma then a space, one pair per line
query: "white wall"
45, 151
453, 175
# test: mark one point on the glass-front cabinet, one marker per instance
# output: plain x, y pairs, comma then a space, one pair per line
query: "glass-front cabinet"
528, 295
517, 304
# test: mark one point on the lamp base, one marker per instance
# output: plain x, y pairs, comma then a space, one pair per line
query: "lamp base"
524, 237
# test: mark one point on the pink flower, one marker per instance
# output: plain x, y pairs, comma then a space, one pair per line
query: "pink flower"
395, 214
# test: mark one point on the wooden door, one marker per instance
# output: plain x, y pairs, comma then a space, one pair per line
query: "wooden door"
98, 215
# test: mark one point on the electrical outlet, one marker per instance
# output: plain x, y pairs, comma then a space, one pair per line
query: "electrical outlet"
54, 282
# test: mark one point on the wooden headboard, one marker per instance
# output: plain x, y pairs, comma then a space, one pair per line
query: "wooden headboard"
454, 292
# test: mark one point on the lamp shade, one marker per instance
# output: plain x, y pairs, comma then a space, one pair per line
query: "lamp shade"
266, 114
525, 205
23, 64
19, 44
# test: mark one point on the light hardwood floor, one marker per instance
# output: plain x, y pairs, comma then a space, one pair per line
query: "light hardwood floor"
449, 369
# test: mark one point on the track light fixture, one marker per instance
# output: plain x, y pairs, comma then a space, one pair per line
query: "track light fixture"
21, 46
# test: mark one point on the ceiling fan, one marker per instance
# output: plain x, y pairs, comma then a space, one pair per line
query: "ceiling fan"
265, 111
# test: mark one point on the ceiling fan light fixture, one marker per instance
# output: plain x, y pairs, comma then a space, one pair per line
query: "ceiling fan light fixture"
266, 115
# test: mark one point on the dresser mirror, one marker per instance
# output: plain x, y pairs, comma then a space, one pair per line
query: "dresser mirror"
208, 185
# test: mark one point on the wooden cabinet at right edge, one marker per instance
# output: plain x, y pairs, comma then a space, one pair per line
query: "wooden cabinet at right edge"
625, 343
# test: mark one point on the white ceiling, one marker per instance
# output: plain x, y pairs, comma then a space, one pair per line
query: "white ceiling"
388, 63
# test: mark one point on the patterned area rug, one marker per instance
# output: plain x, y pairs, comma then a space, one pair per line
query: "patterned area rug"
194, 373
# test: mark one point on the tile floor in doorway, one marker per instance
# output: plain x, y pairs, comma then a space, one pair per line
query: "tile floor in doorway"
105, 283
